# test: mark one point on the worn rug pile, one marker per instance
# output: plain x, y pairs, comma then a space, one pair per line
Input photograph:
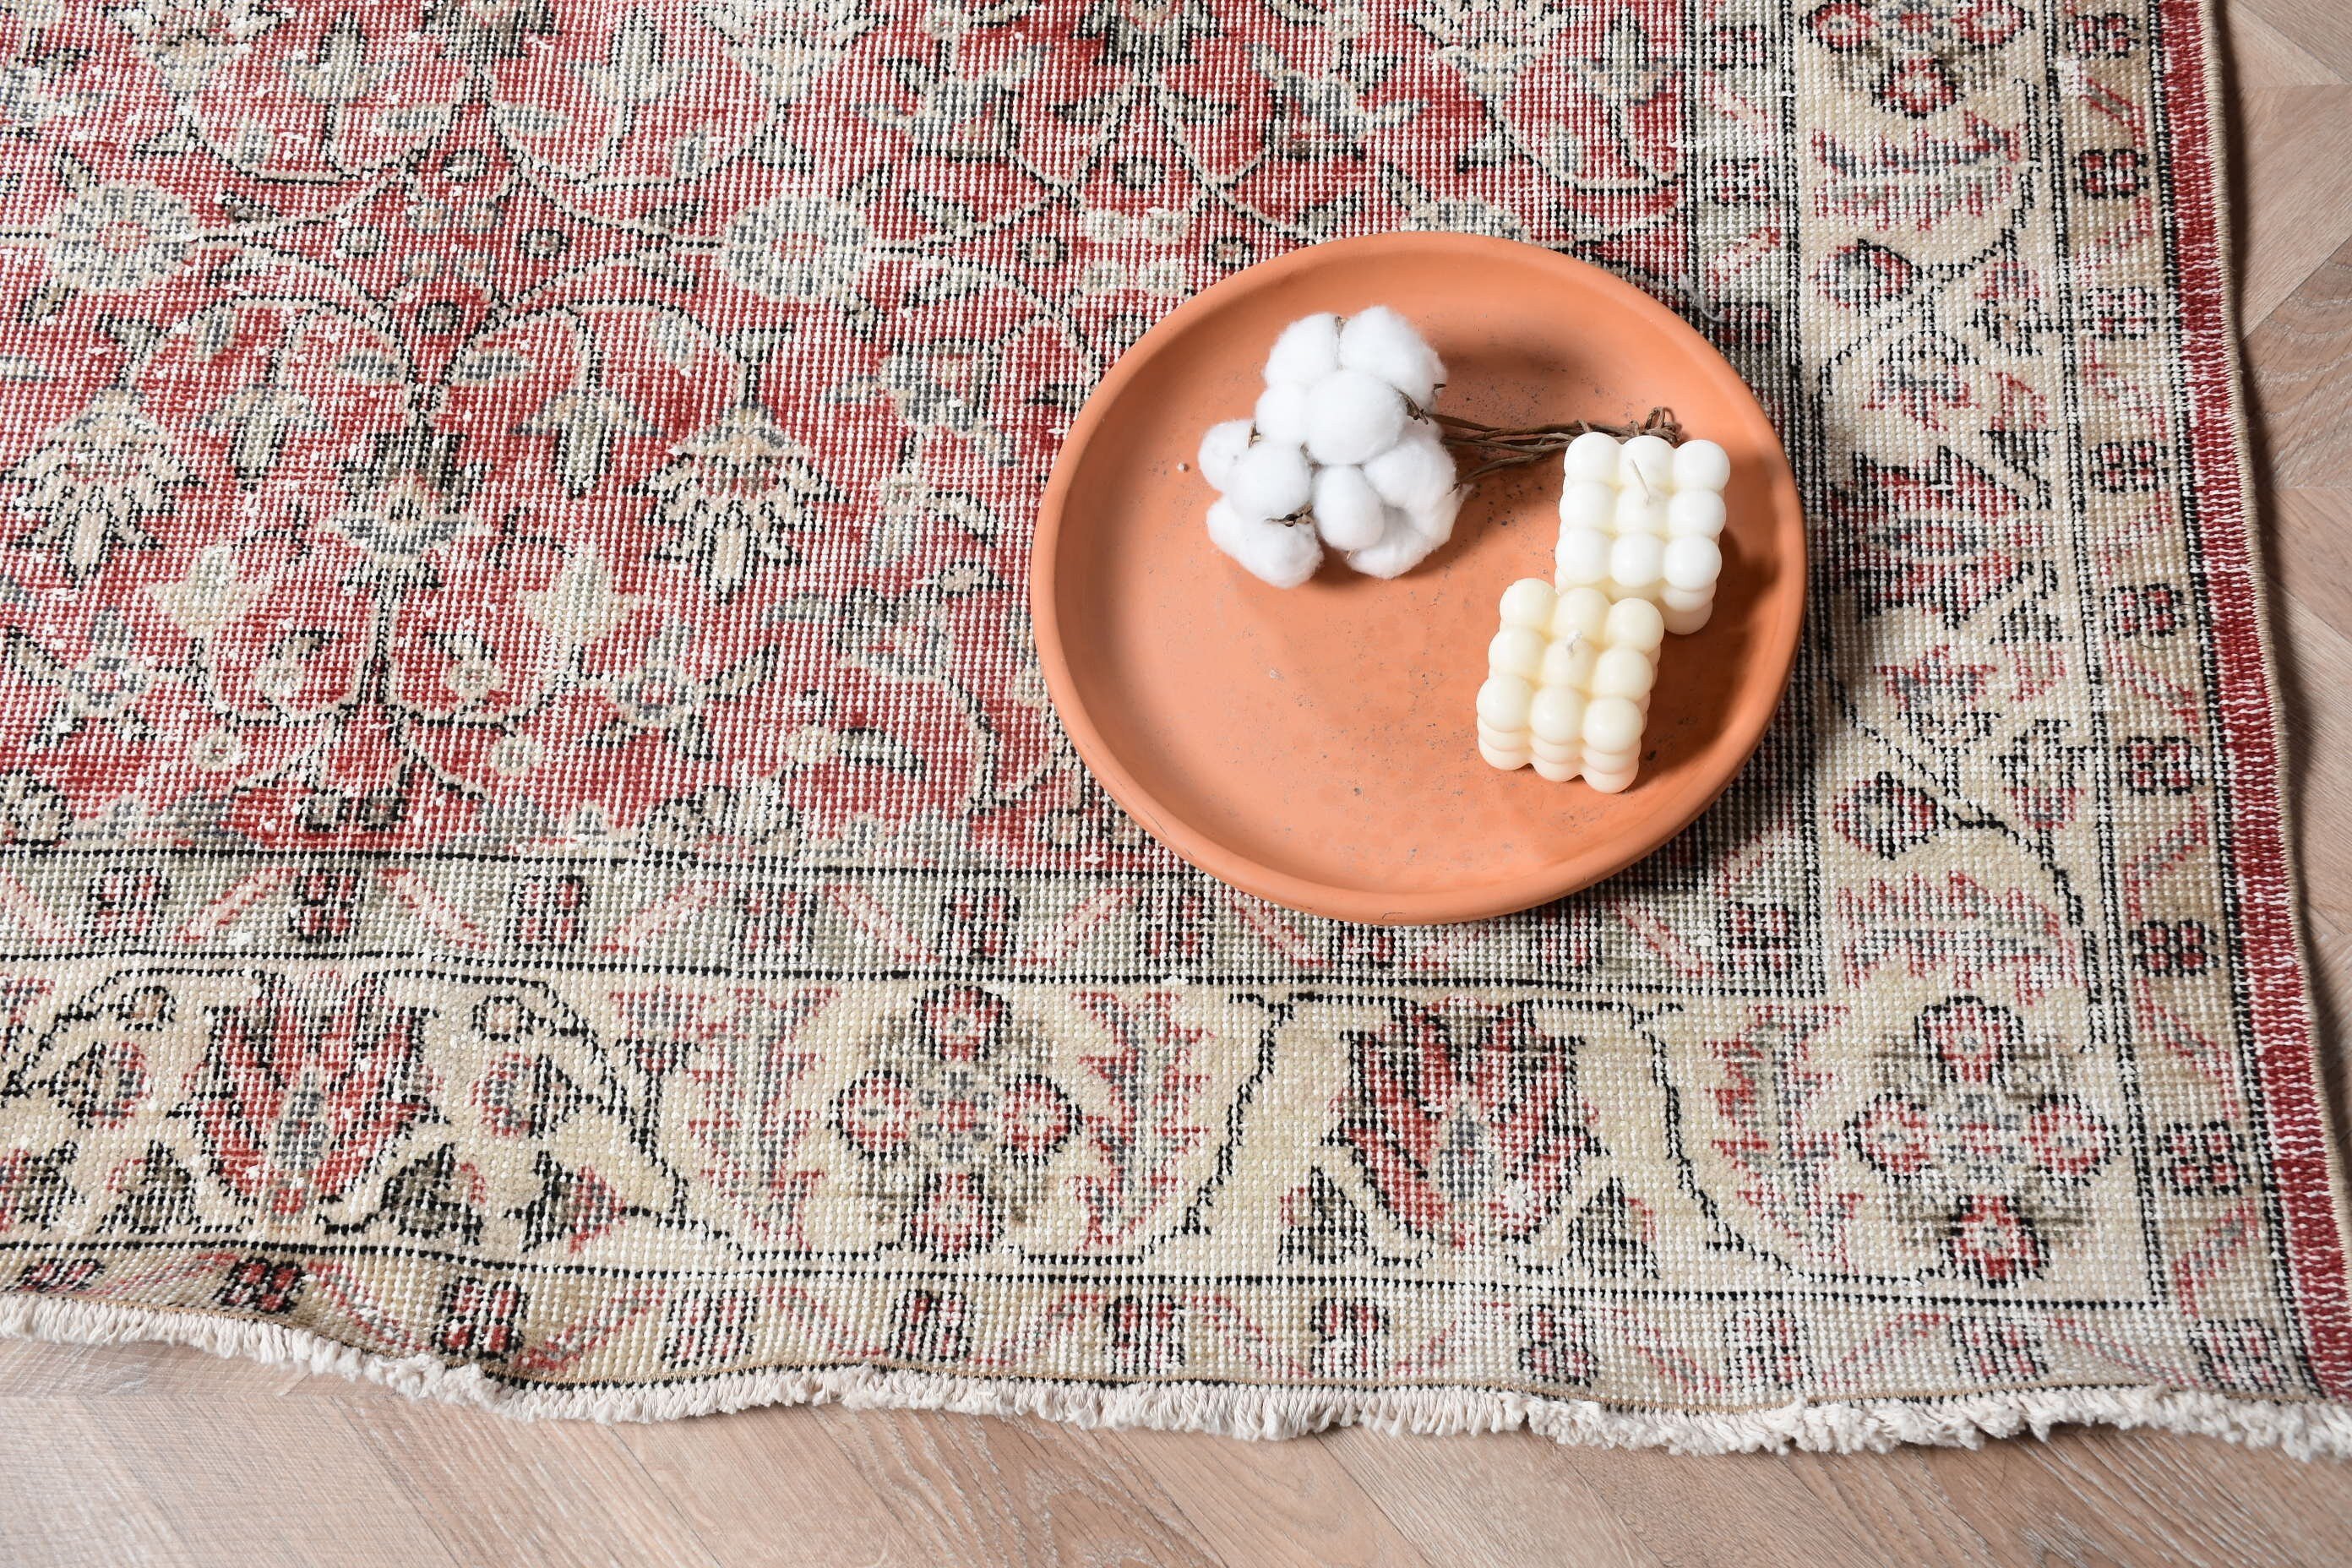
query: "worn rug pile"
537, 866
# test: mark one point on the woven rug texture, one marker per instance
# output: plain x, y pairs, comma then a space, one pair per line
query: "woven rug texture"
537, 866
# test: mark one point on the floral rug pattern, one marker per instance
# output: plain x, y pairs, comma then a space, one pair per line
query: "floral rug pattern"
531, 837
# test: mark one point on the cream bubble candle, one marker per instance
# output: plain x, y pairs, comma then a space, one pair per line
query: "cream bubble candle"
1641, 518
1337, 453
1568, 676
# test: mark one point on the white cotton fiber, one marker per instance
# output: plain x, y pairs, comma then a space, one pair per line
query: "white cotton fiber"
1352, 417
1279, 555
1282, 415
1414, 472
1348, 511
1225, 527
1401, 549
1284, 556
1333, 447
1434, 522
1382, 343
1221, 448
1307, 351
1270, 480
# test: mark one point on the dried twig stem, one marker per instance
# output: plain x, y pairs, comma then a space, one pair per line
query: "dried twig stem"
1511, 448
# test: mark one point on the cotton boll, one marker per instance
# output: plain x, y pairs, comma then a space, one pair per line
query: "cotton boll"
1348, 511
1503, 702
1556, 716
1612, 724
1414, 472
1693, 563
1399, 550
1434, 522
1379, 343
1221, 448
1282, 415
1270, 480
1515, 650
1278, 554
1352, 417
1623, 672
1635, 623
1702, 465
1586, 503
1582, 557
1636, 559
1273, 552
1694, 512
1646, 463
1307, 351
1529, 603
1591, 457
1226, 528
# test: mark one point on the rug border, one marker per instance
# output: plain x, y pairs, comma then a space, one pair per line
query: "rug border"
2315, 1203
2304, 1430
2316, 1208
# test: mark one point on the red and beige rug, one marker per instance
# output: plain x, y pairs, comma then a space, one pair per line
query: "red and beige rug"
537, 866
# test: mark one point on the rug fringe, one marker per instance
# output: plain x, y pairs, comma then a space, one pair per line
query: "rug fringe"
1237, 1410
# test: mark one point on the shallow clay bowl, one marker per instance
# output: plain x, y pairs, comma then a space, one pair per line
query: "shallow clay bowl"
1317, 747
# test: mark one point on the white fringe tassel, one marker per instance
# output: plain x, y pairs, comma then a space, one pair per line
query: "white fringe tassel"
1236, 1409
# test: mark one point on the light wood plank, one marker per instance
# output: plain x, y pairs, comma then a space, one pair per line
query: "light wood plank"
773, 1487
1268, 1505
2296, 208
569, 1494
2300, 360
2260, 59
68, 1495
984, 1492
1503, 1498
2140, 1499
2321, 28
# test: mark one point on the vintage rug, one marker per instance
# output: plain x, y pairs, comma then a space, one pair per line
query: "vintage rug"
539, 869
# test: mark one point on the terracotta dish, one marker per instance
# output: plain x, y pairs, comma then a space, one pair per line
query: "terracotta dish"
1314, 747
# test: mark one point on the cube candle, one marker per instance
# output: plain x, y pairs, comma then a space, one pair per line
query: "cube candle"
1640, 519
1567, 684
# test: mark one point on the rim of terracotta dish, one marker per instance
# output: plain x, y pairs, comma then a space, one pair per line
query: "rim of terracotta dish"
1575, 870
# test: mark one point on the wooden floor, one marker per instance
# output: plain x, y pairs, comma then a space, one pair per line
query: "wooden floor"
144, 1454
